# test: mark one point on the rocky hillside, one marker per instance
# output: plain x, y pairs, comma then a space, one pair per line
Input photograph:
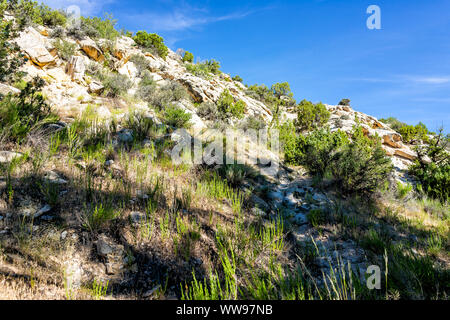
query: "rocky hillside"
92, 207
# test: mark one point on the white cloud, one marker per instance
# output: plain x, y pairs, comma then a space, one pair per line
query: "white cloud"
181, 19
407, 79
431, 80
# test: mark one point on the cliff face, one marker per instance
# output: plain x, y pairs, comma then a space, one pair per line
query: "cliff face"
70, 89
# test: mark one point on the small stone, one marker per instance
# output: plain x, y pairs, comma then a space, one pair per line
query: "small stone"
63, 235
149, 293
109, 163
137, 217
125, 136
141, 195
8, 156
43, 210
109, 268
300, 219
53, 177
258, 212
104, 248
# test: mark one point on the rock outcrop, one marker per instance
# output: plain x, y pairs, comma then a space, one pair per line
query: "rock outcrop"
35, 46
91, 49
76, 68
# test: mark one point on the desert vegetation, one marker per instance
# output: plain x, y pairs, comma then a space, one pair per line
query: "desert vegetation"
93, 207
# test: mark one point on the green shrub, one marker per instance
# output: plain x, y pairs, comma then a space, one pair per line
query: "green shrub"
288, 142
140, 124
10, 59
434, 176
310, 116
344, 102
152, 41
188, 57
403, 190
281, 90
28, 12
65, 48
204, 69
316, 150
147, 88
21, 113
141, 63
394, 123
410, 133
96, 27
253, 122
227, 106
52, 18
116, 84
162, 97
238, 78
361, 166
177, 117
209, 111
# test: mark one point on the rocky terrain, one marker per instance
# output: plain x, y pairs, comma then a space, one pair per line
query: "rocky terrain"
48, 250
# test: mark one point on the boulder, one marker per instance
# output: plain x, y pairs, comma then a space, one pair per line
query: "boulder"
8, 156
122, 48
5, 89
34, 45
42, 30
76, 68
129, 69
393, 140
96, 87
406, 153
91, 49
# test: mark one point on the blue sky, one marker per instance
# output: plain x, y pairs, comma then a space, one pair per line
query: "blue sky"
321, 47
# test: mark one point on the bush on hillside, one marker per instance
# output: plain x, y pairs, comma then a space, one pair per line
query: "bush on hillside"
21, 113
361, 166
141, 63
152, 41
410, 133
140, 124
310, 116
316, 150
344, 102
288, 141
188, 57
116, 84
209, 111
238, 79
253, 122
52, 18
160, 98
204, 69
177, 117
394, 123
10, 58
65, 49
358, 165
434, 176
28, 12
227, 106
96, 27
